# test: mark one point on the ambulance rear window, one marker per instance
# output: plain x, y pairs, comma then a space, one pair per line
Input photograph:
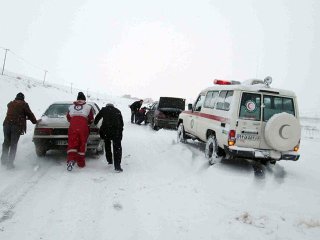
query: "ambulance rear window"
276, 104
250, 108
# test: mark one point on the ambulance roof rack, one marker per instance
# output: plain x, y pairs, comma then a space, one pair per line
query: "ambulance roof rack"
267, 81
252, 82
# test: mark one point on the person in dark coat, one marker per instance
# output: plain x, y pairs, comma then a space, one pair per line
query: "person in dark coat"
14, 125
111, 130
134, 110
141, 115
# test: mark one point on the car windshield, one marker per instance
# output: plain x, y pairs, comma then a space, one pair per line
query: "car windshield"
57, 110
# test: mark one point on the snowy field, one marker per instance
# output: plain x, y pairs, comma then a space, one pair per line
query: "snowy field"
167, 190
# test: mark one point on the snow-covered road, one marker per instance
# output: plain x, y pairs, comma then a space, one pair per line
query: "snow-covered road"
167, 191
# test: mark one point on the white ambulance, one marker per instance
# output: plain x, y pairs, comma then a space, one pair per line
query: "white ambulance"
244, 120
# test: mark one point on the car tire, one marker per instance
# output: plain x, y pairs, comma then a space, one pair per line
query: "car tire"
212, 151
100, 151
40, 150
154, 126
181, 135
100, 148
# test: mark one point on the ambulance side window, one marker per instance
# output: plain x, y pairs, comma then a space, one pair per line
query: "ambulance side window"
210, 99
227, 101
220, 101
199, 103
224, 100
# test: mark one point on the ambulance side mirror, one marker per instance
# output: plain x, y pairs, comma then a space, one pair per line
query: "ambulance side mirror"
190, 106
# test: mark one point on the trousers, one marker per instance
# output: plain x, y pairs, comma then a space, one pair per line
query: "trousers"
115, 141
9, 147
77, 144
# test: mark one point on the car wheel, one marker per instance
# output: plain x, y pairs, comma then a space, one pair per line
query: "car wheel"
100, 150
41, 150
212, 150
181, 135
154, 125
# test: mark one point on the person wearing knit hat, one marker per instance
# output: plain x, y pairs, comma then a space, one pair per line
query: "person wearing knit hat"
80, 116
81, 96
20, 96
14, 125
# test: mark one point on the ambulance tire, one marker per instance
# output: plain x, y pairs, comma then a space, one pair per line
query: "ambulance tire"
181, 135
212, 150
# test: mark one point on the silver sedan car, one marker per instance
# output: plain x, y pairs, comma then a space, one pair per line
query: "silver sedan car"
51, 131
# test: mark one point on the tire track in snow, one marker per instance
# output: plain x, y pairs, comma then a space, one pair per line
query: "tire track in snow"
12, 195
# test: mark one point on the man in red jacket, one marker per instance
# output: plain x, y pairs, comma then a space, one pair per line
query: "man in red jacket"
80, 116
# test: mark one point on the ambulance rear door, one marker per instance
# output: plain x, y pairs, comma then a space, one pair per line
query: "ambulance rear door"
249, 124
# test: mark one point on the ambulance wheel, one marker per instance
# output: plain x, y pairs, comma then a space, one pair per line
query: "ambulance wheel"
212, 151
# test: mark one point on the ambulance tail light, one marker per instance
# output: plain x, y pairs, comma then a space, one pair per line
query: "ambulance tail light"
232, 138
297, 147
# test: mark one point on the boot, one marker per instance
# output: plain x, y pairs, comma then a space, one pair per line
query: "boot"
70, 165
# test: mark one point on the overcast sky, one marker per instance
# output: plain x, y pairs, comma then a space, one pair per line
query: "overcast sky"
165, 48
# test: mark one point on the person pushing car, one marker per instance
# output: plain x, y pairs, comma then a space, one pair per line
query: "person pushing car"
80, 116
15, 125
111, 130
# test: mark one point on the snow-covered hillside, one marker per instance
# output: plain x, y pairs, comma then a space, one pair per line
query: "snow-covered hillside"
167, 190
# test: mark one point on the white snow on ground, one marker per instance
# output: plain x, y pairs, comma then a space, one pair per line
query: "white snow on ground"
167, 190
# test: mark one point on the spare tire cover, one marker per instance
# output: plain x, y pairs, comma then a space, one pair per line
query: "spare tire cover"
282, 132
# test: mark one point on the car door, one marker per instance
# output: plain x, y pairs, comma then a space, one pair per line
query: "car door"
193, 117
274, 104
150, 113
249, 124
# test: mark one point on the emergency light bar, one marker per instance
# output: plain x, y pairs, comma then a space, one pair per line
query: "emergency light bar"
225, 82
221, 82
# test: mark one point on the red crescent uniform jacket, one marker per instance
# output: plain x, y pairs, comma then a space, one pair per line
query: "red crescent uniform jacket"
80, 114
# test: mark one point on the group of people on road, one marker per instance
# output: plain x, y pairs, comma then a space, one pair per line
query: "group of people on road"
138, 113
80, 115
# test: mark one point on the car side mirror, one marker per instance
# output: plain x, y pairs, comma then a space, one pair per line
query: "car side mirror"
190, 106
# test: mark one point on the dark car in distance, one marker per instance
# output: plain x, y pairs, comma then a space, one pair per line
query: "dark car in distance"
165, 112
